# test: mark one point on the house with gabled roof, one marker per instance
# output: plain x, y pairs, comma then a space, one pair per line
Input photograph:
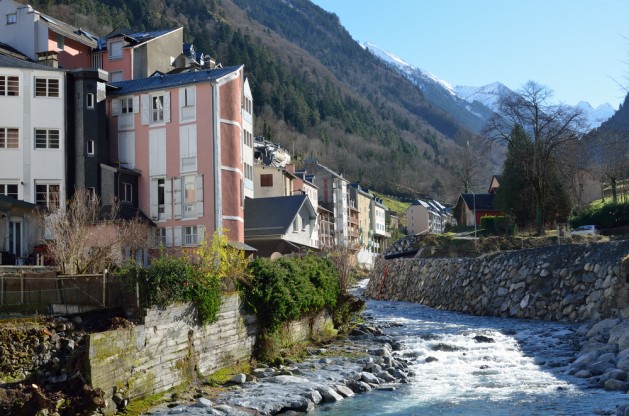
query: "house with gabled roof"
43, 38
128, 54
282, 224
183, 134
426, 216
470, 208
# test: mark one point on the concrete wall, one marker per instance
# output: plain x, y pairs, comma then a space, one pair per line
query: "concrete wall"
171, 348
567, 283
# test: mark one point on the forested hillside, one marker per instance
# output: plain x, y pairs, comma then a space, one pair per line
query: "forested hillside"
315, 89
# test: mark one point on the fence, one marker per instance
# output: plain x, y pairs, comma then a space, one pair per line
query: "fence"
45, 293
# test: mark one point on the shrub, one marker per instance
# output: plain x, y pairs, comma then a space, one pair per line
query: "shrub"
606, 216
288, 289
498, 225
176, 279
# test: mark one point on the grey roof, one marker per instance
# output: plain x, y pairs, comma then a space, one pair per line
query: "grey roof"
159, 81
480, 202
272, 216
134, 38
69, 31
6, 202
314, 163
13, 62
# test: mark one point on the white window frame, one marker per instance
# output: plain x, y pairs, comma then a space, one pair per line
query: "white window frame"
126, 193
4, 189
89, 100
91, 147
47, 135
9, 135
9, 86
47, 87
157, 109
188, 148
11, 18
48, 194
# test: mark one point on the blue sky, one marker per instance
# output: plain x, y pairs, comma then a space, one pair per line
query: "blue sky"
577, 48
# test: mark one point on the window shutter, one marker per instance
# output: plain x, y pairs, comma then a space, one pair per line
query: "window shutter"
146, 109
167, 107
153, 198
200, 234
136, 104
115, 107
182, 97
178, 236
199, 195
192, 99
177, 197
168, 199
169, 237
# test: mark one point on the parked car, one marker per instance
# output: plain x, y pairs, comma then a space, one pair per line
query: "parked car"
586, 230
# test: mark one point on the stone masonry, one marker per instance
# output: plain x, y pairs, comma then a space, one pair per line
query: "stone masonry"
575, 282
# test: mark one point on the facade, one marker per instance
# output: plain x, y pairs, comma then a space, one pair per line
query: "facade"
183, 134
247, 141
127, 55
43, 38
333, 196
280, 224
423, 217
470, 208
32, 144
270, 181
303, 184
379, 223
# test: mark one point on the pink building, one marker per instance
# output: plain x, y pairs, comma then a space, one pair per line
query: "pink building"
183, 134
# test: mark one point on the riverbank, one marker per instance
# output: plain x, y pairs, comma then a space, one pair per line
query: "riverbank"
364, 361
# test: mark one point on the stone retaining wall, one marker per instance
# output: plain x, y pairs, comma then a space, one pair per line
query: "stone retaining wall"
568, 283
171, 348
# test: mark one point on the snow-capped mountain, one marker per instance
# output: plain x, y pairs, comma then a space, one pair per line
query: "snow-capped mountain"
596, 116
471, 106
489, 95
440, 93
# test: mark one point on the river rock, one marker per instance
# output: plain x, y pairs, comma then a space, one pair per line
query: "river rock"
359, 386
616, 385
369, 378
239, 378
203, 402
314, 396
344, 390
384, 375
329, 395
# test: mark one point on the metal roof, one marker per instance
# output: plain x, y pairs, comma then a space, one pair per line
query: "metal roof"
160, 81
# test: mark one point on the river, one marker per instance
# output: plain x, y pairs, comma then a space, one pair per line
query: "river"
522, 372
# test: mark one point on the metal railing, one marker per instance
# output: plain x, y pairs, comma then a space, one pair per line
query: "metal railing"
45, 294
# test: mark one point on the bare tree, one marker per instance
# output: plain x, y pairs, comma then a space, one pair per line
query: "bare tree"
610, 151
85, 237
469, 164
550, 129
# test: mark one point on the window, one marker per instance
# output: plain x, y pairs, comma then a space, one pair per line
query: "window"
11, 18
46, 87
266, 180
187, 102
115, 50
46, 139
9, 138
127, 193
9, 86
248, 138
90, 100
126, 105
161, 196
188, 148
116, 76
157, 108
47, 195
91, 191
126, 150
90, 147
189, 196
248, 105
190, 236
248, 171
9, 189
160, 237
60, 42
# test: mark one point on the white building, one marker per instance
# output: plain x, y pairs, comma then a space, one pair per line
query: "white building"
32, 139
247, 141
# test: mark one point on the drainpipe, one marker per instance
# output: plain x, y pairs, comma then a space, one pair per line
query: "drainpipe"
216, 126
